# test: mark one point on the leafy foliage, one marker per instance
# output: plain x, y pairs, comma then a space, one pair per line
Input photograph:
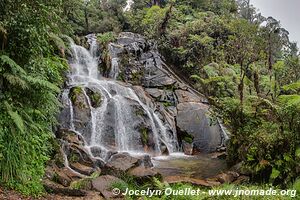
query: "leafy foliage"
246, 66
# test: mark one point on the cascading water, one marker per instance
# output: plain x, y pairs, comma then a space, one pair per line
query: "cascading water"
122, 121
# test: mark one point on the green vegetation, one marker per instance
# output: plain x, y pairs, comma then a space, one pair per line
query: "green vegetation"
244, 64
84, 183
247, 68
31, 74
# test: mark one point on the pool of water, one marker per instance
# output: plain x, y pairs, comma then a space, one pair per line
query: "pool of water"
199, 166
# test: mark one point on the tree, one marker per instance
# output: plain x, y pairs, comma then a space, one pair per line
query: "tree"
243, 48
247, 11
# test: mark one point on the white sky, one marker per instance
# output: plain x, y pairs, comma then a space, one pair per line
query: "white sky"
286, 11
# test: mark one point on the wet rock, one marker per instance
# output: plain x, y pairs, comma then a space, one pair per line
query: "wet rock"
61, 178
144, 96
143, 173
193, 181
70, 136
219, 155
71, 174
54, 188
154, 92
122, 162
49, 173
102, 153
227, 177
147, 161
157, 77
82, 169
76, 153
164, 149
82, 112
103, 184
187, 148
186, 96
193, 119
94, 96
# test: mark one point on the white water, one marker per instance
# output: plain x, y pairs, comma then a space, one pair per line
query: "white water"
114, 123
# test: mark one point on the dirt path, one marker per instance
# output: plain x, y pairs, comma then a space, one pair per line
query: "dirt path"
13, 195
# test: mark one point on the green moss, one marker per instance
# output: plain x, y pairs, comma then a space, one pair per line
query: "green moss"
121, 76
95, 98
188, 139
84, 183
139, 112
74, 158
75, 91
137, 76
144, 134
167, 104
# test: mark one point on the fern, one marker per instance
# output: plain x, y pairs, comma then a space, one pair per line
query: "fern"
293, 88
290, 100
158, 184
41, 83
12, 64
17, 119
15, 80
196, 77
58, 42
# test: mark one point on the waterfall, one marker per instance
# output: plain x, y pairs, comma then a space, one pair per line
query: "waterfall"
116, 124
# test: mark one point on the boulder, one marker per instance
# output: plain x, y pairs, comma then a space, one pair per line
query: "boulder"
193, 119
227, 177
122, 162
219, 155
103, 184
187, 148
143, 174
54, 188
102, 153
76, 153
70, 136
70, 173
147, 161
61, 178
82, 169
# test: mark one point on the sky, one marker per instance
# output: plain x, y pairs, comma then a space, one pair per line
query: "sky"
286, 11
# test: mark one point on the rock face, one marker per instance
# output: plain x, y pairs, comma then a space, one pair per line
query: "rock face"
185, 111
193, 119
142, 106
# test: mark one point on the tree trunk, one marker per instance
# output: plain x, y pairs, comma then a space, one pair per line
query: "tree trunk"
86, 18
256, 83
164, 24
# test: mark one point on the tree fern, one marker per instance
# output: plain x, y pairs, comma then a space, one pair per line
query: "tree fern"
293, 88
290, 100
